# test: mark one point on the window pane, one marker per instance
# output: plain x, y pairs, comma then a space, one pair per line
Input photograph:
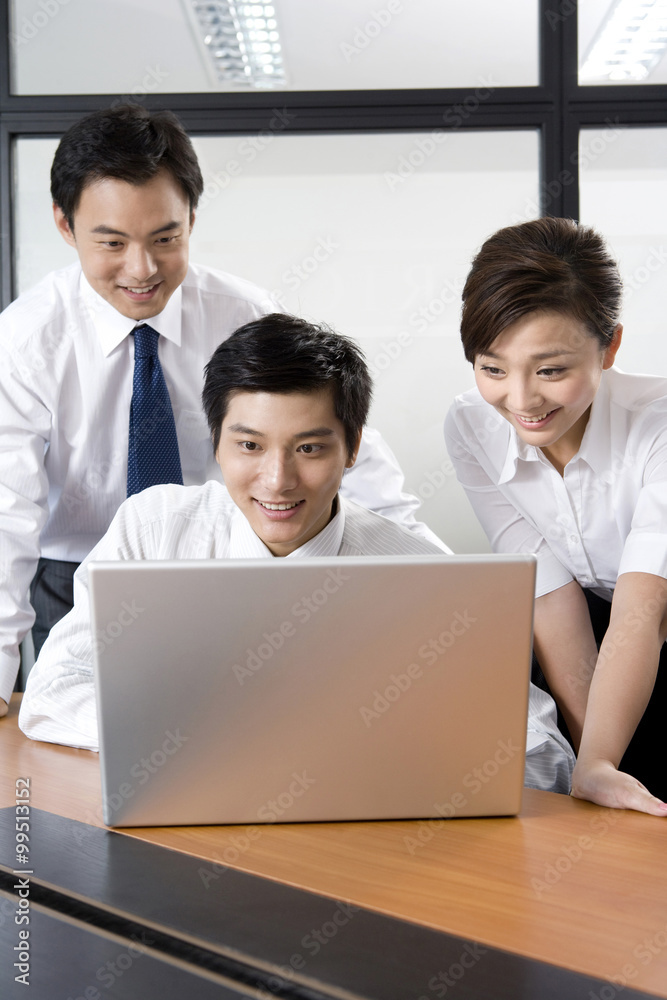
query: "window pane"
371, 233
624, 196
622, 41
158, 46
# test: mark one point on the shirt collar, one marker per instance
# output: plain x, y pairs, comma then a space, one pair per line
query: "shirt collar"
112, 327
516, 449
595, 447
245, 544
329, 539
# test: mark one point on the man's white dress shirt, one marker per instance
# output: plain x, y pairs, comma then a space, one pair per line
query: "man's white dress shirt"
605, 516
66, 370
202, 522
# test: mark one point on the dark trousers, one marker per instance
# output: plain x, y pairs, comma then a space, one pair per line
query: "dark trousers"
646, 755
51, 595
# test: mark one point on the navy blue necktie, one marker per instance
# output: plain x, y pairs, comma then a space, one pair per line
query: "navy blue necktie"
153, 447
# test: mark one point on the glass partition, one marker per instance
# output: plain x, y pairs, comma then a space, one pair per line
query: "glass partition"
624, 196
189, 46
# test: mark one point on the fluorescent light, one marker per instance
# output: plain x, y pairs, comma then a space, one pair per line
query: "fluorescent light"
241, 42
630, 43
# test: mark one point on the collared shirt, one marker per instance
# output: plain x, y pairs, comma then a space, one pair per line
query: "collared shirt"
605, 516
177, 522
66, 370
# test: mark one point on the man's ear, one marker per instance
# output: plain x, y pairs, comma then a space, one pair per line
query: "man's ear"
610, 352
353, 455
192, 220
63, 226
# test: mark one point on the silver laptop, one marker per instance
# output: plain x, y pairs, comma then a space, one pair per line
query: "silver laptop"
261, 691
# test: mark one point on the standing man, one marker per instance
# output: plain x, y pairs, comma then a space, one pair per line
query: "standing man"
102, 366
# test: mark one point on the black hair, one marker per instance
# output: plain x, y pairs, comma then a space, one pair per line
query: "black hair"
547, 265
129, 143
280, 353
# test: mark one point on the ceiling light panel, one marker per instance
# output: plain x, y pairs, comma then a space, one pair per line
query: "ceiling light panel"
240, 43
629, 45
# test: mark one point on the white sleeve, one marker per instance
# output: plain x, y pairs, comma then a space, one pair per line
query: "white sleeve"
645, 549
505, 526
59, 701
26, 425
376, 482
549, 757
58, 705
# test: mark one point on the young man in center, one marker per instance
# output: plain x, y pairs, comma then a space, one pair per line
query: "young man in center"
286, 403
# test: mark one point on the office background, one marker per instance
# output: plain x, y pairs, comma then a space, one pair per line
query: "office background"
358, 187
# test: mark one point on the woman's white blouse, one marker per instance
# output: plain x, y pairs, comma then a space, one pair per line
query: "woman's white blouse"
606, 515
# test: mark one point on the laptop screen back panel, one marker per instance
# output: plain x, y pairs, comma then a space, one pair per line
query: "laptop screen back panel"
279, 690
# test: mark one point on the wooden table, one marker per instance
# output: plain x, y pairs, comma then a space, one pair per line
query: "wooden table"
581, 888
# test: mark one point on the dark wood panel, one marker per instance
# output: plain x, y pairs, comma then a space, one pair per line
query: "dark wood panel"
70, 960
297, 939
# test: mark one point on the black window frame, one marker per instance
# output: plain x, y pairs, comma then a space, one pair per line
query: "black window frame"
557, 107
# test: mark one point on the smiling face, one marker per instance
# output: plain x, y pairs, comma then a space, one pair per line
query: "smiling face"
132, 241
282, 457
542, 374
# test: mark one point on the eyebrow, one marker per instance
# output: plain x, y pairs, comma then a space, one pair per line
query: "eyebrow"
109, 231
315, 432
533, 357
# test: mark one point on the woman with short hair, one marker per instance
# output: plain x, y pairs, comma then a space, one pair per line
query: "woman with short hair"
564, 455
